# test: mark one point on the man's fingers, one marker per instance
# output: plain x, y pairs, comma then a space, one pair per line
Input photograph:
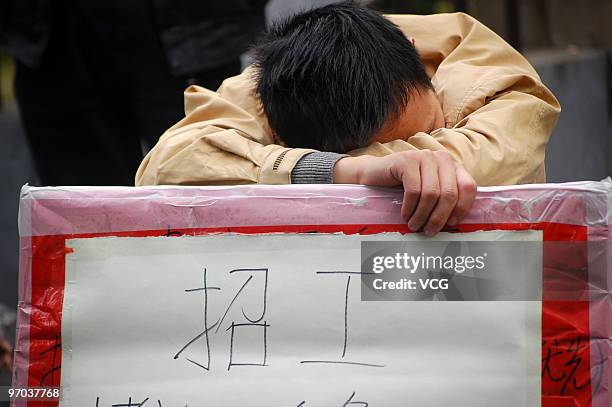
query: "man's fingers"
466, 188
411, 180
430, 192
448, 195
436, 189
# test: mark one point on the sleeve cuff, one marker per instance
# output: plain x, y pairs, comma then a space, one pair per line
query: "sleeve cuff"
315, 168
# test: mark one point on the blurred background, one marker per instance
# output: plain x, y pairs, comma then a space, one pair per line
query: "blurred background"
107, 78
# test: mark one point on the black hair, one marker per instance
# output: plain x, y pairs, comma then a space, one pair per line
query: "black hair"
329, 78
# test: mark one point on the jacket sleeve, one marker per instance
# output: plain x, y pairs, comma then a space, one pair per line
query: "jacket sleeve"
223, 139
499, 115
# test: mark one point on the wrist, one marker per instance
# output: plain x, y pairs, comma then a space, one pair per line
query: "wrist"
344, 171
347, 170
315, 168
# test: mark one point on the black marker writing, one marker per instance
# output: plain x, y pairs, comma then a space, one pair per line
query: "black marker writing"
54, 367
570, 361
234, 327
345, 340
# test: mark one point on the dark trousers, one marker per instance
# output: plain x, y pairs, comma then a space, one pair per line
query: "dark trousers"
102, 95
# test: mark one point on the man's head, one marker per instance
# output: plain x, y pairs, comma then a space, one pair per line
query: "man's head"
339, 77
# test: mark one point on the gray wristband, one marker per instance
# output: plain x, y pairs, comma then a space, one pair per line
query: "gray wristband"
315, 168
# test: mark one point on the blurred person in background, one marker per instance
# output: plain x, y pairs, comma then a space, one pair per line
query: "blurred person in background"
97, 82
6, 356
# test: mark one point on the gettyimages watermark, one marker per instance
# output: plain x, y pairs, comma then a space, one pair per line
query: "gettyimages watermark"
451, 271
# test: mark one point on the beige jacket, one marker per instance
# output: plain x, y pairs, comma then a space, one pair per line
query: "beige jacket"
498, 116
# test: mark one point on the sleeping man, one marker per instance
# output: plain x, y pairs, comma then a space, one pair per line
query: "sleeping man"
435, 104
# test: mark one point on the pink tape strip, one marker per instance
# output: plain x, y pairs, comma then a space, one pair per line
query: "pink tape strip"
91, 210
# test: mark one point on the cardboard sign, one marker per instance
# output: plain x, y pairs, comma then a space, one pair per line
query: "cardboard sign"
253, 296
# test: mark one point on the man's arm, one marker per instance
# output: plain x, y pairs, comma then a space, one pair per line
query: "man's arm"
224, 139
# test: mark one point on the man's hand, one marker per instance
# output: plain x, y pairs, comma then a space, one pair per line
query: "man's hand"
437, 190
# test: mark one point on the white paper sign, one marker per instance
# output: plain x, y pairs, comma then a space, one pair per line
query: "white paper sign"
250, 320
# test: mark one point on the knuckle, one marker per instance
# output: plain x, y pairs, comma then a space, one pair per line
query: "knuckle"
412, 193
430, 194
469, 186
426, 153
443, 154
420, 155
408, 155
449, 194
